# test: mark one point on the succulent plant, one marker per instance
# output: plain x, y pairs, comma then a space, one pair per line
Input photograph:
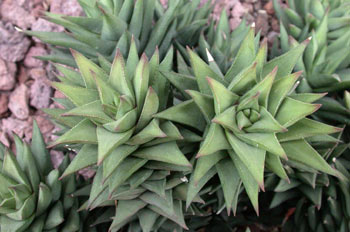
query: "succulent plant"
325, 62
109, 25
108, 118
251, 119
321, 202
31, 195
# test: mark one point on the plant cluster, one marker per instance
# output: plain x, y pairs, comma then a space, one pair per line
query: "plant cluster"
185, 121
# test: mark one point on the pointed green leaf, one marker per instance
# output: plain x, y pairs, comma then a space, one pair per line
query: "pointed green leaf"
40, 153
204, 102
249, 182
141, 82
149, 109
245, 56
202, 71
301, 151
86, 157
265, 141
223, 98
150, 132
86, 67
79, 96
279, 91
167, 152
215, 140
205, 163
84, 132
285, 62
291, 111
230, 181
128, 167
118, 77
306, 128
252, 157
108, 141
186, 113
124, 123
274, 164
44, 199
92, 110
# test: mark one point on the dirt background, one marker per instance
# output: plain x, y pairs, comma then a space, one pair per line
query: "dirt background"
23, 79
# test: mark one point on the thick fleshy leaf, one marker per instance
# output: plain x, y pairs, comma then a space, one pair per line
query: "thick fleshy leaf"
265, 124
156, 186
140, 82
86, 157
186, 113
86, 67
26, 210
245, 56
262, 88
279, 91
108, 141
163, 203
285, 62
223, 98
150, 107
12, 169
27, 162
150, 132
147, 219
139, 177
54, 184
123, 124
180, 81
194, 189
227, 119
205, 163
118, 77
306, 128
252, 157
274, 164
249, 182
244, 80
177, 215
202, 71
125, 210
291, 111
215, 140
171, 131
115, 158
44, 199
230, 181
128, 167
78, 95
265, 141
204, 102
7, 224
301, 151
166, 152
40, 153
84, 132
92, 110
106, 92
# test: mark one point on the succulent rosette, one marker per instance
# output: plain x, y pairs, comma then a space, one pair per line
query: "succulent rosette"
31, 196
108, 25
322, 202
251, 119
327, 24
108, 119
